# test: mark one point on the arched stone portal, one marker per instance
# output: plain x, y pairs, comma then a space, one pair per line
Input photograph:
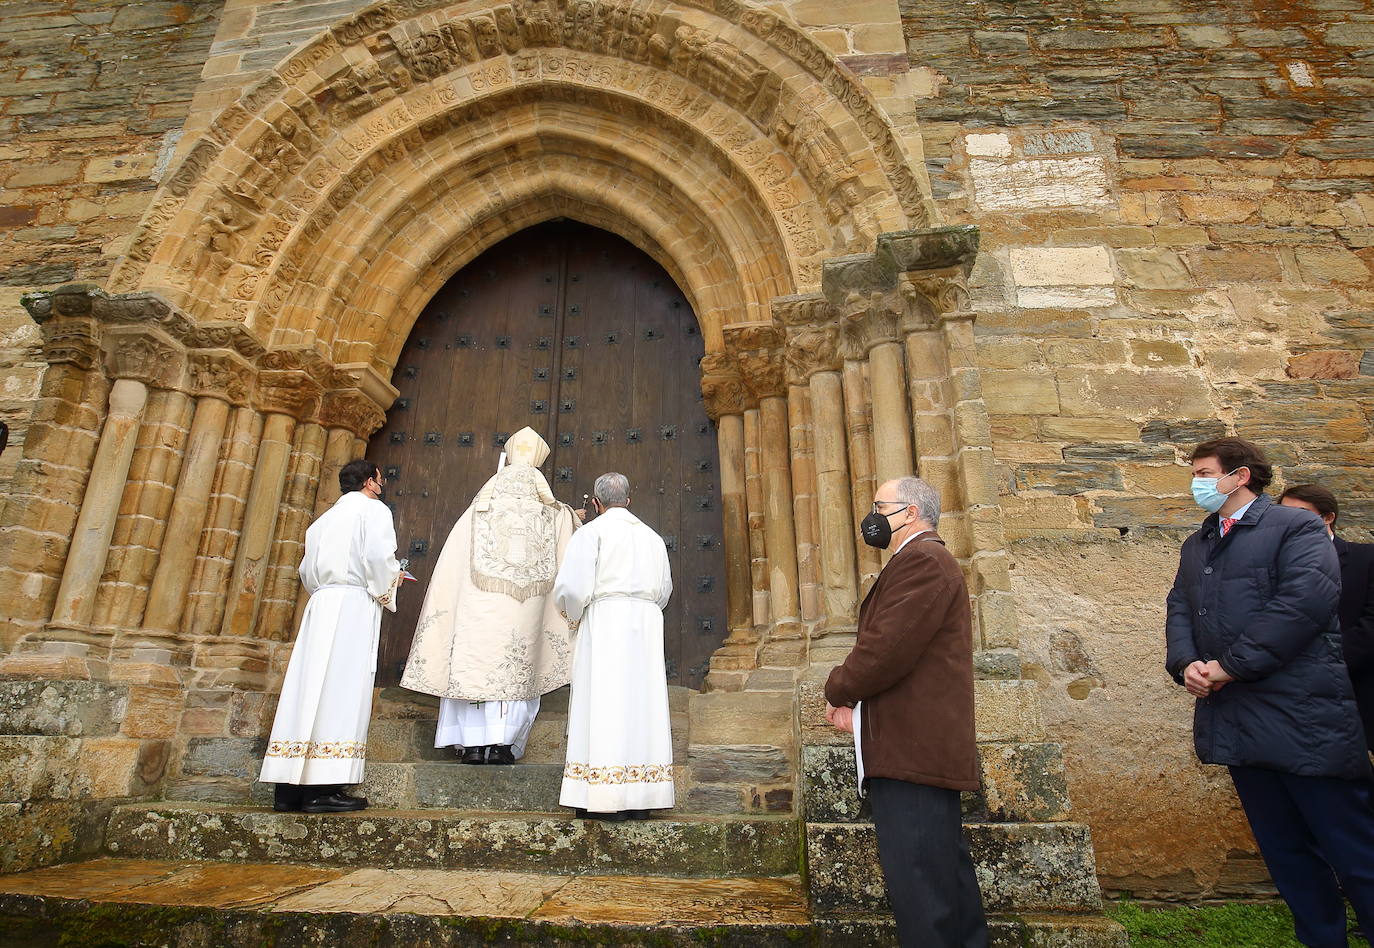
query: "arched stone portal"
241, 351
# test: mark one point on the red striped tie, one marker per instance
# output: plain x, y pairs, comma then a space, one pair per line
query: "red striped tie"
1226, 523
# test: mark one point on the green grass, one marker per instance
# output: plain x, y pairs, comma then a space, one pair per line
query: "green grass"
1234, 925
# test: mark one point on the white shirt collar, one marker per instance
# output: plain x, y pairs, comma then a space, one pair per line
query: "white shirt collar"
1241, 512
909, 539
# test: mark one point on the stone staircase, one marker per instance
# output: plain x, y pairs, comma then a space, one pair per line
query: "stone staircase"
766, 816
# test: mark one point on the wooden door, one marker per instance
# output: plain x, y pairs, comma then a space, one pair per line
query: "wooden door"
582, 337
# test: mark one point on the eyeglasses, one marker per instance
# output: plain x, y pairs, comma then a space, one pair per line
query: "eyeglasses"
878, 503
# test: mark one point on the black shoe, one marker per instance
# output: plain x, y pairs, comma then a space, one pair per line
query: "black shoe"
500, 754
288, 798
638, 814
474, 755
581, 813
338, 802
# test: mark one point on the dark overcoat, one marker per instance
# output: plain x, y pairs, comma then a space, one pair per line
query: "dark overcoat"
1262, 601
1357, 624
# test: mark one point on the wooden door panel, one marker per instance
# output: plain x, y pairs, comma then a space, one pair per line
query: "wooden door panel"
584, 338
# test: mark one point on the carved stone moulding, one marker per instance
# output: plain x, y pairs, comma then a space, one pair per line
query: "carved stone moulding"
809, 309
857, 274
934, 248
71, 341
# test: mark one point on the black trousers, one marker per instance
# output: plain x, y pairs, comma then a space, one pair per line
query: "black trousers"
926, 864
1317, 838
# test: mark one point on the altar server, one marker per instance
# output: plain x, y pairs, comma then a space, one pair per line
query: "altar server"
319, 737
612, 587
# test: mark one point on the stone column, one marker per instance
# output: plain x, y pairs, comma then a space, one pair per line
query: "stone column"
724, 395
220, 535
813, 361
803, 460
41, 509
136, 356
858, 427
837, 522
283, 395
326, 447
218, 379
753, 496
757, 347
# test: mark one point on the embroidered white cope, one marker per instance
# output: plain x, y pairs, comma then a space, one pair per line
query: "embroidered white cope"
613, 585
319, 735
488, 630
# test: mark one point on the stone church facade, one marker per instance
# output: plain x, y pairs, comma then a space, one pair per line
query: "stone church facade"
1033, 252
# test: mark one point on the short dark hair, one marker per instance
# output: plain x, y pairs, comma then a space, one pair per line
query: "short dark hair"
354, 474
1235, 453
1316, 495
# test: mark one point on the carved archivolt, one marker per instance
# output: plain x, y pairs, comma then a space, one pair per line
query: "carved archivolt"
745, 98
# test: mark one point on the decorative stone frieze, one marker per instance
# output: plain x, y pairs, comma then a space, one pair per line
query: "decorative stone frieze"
72, 341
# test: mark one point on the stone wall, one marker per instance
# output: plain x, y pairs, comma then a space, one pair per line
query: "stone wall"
92, 101
1175, 200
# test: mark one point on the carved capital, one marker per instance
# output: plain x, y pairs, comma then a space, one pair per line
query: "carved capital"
812, 349
353, 410
219, 373
721, 386
757, 349
144, 354
72, 341
927, 297
287, 392
870, 323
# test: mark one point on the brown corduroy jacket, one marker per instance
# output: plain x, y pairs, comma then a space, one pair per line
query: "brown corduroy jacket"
912, 667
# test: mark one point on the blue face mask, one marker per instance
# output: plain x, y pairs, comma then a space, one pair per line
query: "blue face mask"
1206, 495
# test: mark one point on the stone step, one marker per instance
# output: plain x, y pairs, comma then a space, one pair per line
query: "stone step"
676, 844
181, 904
1021, 867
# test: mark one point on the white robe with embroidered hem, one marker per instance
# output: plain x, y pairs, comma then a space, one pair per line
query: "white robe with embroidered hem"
615, 580
481, 723
350, 569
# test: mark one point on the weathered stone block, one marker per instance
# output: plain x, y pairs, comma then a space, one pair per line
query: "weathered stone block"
1007, 711
739, 764
1182, 431
224, 756
1020, 392
1022, 866
1132, 394
742, 718
522, 787
45, 832
153, 712
70, 708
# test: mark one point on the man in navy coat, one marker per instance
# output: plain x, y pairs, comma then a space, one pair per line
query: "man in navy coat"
1357, 596
1253, 635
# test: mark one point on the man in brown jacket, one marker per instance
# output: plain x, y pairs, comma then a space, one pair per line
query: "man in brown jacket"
910, 677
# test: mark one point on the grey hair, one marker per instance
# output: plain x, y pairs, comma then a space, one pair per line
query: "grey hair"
913, 490
612, 489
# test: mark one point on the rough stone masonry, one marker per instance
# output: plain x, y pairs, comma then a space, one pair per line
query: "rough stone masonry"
1176, 207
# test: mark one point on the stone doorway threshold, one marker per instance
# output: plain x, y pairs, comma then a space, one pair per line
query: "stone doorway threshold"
192, 903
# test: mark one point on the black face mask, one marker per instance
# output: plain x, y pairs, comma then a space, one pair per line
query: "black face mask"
876, 530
